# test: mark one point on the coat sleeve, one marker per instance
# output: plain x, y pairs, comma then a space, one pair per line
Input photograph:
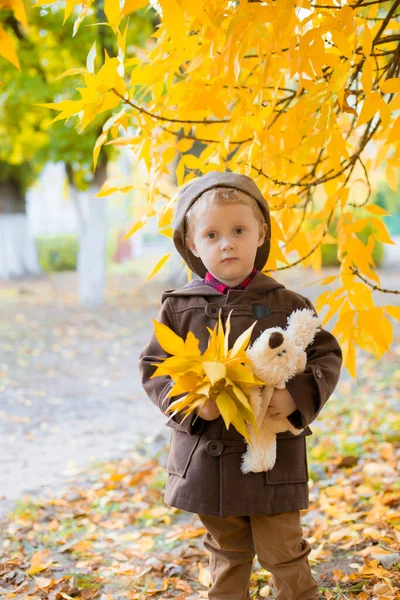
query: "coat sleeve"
158, 388
312, 388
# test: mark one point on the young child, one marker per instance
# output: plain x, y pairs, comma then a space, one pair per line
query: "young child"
222, 230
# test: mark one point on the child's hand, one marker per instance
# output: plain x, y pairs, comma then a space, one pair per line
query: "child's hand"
282, 404
210, 410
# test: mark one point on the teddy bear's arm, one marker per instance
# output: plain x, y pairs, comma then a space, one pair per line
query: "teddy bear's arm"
312, 388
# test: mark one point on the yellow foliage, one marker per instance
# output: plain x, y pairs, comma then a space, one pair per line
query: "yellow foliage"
220, 373
288, 97
113, 12
106, 190
133, 5
158, 266
7, 49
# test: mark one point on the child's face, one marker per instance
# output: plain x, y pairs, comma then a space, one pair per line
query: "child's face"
226, 238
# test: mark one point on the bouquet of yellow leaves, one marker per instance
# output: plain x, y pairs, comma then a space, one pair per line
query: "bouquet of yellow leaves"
219, 373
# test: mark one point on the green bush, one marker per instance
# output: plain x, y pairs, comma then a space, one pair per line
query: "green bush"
57, 252
60, 252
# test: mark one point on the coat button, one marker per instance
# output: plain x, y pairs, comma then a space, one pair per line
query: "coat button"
212, 310
318, 372
214, 447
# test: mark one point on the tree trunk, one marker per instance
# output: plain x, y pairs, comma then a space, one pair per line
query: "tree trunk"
92, 214
18, 254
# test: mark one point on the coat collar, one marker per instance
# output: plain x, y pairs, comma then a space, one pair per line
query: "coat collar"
260, 284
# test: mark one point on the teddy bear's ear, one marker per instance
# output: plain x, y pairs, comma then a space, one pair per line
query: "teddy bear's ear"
302, 326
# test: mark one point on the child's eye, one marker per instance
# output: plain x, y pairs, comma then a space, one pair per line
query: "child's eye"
239, 230
211, 235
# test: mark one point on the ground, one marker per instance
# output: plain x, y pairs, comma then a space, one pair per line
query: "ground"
70, 395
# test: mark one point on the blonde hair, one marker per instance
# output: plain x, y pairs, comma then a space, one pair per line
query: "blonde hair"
221, 195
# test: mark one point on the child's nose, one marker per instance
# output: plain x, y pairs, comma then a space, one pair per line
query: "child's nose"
227, 243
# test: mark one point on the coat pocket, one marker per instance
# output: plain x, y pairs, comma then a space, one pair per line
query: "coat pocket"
181, 451
291, 462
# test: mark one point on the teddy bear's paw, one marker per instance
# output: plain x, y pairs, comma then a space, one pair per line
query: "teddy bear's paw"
257, 464
294, 430
269, 461
271, 427
251, 462
251, 467
261, 457
255, 400
247, 463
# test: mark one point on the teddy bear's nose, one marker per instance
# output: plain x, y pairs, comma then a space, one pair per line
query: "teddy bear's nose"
275, 340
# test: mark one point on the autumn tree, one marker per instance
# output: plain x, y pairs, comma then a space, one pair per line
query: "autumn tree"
302, 96
16, 170
32, 53
27, 141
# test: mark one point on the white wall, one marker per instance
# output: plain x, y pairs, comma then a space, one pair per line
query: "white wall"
48, 211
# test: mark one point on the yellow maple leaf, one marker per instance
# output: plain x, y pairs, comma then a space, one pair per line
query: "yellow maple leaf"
220, 372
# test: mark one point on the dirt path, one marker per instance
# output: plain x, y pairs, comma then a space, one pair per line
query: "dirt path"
69, 386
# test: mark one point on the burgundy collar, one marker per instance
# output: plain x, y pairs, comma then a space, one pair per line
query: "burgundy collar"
221, 287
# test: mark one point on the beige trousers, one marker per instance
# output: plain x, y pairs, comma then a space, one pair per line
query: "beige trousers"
278, 542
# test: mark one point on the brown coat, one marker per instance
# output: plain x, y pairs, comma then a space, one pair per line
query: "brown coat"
200, 480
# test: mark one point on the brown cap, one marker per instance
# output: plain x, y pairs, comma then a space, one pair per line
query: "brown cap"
188, 194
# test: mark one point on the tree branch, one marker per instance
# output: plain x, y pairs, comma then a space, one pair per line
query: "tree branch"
181, 135
160, 118
371, 285
300, 260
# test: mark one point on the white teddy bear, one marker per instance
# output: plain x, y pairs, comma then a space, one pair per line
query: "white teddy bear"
277, 356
